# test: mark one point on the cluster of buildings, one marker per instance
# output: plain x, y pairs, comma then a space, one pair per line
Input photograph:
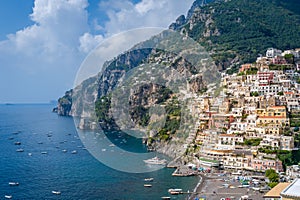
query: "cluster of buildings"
250, 119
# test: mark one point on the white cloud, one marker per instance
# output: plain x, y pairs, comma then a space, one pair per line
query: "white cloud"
44, 56
124, 15
88, 42
58, 24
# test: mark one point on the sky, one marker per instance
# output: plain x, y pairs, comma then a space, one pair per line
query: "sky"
44, 42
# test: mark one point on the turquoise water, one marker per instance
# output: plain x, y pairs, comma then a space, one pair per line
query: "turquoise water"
77, 176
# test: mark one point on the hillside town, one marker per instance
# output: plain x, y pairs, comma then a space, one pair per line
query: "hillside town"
252, 123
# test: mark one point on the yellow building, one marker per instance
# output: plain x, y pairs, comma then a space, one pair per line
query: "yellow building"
275, 116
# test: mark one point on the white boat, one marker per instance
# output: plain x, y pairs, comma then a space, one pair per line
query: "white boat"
166, 197
20, 150
44, 152
56, 192
74, 152
148, 179
13, 183
175, 191
8, 196
147, 185
156, 161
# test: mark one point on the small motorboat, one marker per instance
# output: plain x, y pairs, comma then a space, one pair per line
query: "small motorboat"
20, 150
166, 197
17, 143
175, 191
13, 183
148, 179
147, 185
56, 192
8, 197
44, 152
74, 152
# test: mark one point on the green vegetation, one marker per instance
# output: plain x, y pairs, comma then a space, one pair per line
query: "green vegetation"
273, 177
280, 67
280, 93
102, 107
254, 94
252, 142
295, 119
173, 111
247, 28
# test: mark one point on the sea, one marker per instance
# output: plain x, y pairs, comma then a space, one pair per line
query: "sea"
55, 158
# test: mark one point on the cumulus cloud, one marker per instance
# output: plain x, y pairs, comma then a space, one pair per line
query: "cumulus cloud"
89, 41
124, 15
43, 56
57, 26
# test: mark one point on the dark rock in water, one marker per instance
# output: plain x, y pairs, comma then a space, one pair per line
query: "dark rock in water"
55, 110
65, 104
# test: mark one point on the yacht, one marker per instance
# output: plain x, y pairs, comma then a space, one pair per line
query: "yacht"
156, 161
56, 192
148, 179
13, 183
147, 185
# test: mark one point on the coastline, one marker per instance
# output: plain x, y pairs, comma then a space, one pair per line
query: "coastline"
198, 188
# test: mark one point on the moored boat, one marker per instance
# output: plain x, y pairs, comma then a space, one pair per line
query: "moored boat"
156, 161
20, 150
13, 183
149, 179
56, 192
175, 191
8, 197
147, 185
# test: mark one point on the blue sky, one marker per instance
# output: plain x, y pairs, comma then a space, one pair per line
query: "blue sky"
44, 42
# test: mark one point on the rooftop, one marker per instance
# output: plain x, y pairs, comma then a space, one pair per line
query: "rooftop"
293, 190
275, 192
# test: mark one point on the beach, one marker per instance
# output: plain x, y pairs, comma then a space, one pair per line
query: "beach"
211, 186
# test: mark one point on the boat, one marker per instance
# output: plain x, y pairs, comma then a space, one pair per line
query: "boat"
74, 152
148, 179
175, 191
8, 196
44, 152
13, 183
29, 154
64, 150
56, 192
166, 197
17, 143
156, 161
20, 150
147, 185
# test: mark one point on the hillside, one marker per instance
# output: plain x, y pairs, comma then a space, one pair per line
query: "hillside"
236, 31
